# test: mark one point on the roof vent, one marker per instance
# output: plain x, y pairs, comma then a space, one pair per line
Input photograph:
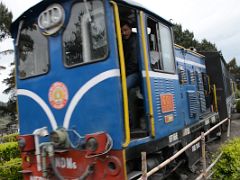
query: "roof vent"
193, 49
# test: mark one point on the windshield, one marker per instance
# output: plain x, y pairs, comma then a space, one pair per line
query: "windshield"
33, 52
84, 39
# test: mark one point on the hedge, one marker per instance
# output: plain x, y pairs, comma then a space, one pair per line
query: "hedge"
10, 169
10, 161
238, 106
228, 167
237, 94
8, 151
9, 138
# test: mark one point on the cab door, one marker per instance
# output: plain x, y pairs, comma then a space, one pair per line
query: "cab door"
137, 115
163, 83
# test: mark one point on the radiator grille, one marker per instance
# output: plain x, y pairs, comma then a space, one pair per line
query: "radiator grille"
201, 93
192, 77
193, 103
182, 75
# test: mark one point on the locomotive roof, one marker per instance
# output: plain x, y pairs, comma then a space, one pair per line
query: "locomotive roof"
137, 5
39, 7
190, 51
215, 55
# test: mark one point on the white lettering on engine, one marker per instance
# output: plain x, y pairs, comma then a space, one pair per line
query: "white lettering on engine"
37, 178
67, 163
195, 147
173, 137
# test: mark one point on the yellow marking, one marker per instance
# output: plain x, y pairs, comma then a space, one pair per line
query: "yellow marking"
123, 74
215, 98
149, 92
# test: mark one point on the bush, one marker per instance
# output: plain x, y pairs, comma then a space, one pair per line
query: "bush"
10, 161
228, 167
8, 151
10, 138
237, 94
10, 169
238, 106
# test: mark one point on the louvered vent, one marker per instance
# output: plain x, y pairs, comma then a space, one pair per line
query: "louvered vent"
201, 93
202, 101
193, 103
182, 75
192, 77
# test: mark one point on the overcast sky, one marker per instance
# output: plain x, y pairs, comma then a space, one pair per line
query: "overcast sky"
215, 20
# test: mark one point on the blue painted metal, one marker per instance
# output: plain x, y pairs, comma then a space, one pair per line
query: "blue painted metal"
192, 93
101, 107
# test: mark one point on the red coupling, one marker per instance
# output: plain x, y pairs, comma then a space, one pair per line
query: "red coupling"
97, 143
26, 143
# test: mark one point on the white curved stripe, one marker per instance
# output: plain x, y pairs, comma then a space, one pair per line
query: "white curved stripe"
88, 85
160, 75
40, 101
190, 62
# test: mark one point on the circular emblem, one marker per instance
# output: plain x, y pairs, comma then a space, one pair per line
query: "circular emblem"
58, 95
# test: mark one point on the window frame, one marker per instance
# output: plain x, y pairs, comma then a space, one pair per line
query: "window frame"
107, 39
33, 22
157, 24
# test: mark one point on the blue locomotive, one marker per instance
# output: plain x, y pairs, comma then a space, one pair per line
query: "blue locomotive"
77, 118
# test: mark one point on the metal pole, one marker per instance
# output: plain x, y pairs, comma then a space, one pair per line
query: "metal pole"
229, 128
144, 166
204, 155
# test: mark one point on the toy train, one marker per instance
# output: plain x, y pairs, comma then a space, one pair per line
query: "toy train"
73, 102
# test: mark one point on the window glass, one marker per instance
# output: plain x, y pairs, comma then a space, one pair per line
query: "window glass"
84, 39
166, 48
33, 52
155, 56
160, 46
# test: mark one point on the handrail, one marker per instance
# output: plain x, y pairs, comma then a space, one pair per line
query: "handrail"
149, 91
167, 161
123, 74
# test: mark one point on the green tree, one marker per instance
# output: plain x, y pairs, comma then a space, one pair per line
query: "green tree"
11, 105
184, 38
233, 67
206, 45
5, 21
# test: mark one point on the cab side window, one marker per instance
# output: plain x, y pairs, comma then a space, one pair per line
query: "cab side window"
160, 46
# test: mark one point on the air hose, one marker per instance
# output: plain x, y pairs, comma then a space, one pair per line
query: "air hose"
84, 176
50, 150
89, 169
56, 172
